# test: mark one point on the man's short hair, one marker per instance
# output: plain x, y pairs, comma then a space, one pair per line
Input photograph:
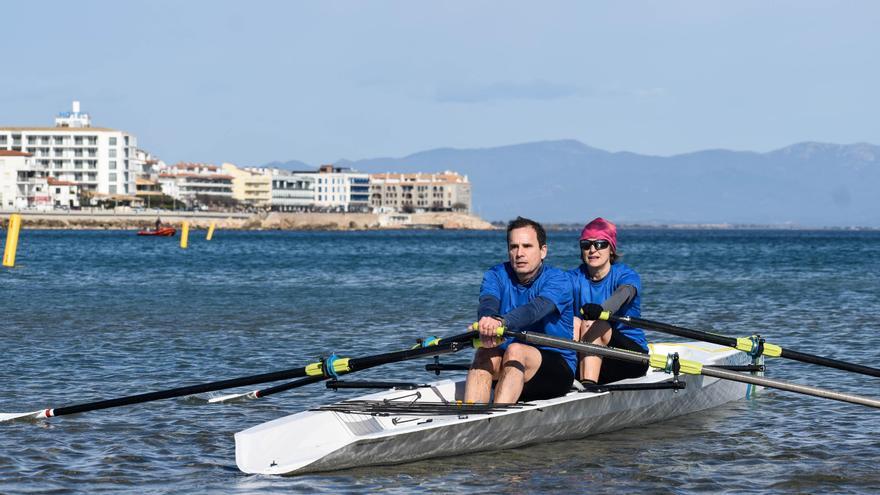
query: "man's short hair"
521, 222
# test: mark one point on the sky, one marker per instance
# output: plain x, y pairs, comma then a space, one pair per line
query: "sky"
254, 82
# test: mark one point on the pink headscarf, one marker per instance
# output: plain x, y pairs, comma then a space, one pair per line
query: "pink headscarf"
601, 229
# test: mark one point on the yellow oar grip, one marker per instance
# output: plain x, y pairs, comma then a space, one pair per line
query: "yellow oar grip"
604, 315
498, 331
478, 343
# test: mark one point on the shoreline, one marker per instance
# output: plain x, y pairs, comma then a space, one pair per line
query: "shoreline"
131, 220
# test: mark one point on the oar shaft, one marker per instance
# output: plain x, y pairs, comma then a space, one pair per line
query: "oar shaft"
287, 386
180, 391
674, 330
354, 364
830, 363
791, 387
732, 342
547, 340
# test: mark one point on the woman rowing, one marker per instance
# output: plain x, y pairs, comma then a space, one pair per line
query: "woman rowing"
601, 283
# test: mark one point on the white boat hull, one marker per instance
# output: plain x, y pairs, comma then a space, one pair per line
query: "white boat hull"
329, 440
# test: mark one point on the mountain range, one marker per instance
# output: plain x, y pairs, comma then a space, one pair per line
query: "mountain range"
807, 184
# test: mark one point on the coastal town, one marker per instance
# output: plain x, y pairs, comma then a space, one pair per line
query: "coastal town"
75, 167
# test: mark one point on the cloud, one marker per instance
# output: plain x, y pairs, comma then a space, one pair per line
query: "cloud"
534, 90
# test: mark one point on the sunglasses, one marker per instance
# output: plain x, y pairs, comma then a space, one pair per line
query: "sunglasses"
598, 244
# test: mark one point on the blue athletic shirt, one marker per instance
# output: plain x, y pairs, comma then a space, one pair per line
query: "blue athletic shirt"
552, 284
587, 291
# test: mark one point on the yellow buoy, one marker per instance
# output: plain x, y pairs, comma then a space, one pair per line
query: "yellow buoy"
211, 231
184, 235
12, 240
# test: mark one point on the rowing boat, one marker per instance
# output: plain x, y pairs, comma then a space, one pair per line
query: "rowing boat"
426, 421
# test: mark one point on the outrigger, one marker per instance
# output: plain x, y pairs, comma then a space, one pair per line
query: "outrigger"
411, 421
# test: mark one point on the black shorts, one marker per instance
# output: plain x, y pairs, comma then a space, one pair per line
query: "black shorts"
553, 378
614, 369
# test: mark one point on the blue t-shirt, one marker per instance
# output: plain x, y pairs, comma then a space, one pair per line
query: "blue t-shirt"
552, 284
587, 291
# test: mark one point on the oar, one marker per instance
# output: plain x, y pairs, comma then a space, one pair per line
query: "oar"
664, 362
314, 371
745, 344
470, 337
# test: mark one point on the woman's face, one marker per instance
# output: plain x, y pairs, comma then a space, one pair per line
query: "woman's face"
596, 253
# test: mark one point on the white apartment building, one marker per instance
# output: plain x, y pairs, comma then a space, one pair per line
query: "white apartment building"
97, 159
446, 191
291, 191
19, 184
342, 188
197, 183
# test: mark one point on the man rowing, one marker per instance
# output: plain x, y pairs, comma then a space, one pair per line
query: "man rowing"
523, 294
600, 284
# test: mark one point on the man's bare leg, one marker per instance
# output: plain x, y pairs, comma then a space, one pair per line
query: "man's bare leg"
520, 364
484, 369
599, 333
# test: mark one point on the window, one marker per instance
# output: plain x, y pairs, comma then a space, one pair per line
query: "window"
112, 164
112, 189
57, 190
2, 139
112, 153
77, 164
78, 140
93, 140
59, 139
112, 177
113, 141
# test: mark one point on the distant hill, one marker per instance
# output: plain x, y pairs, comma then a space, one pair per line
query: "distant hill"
808, 184
291, 165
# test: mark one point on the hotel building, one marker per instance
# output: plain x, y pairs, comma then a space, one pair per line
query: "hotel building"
98, 159
447, 191
342, 188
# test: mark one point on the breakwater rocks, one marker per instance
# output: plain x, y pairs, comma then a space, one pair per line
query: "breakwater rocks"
108, 219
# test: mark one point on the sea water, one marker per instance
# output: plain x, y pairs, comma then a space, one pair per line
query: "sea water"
88, 315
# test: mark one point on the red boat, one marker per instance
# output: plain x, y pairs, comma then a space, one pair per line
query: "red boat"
162, 232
